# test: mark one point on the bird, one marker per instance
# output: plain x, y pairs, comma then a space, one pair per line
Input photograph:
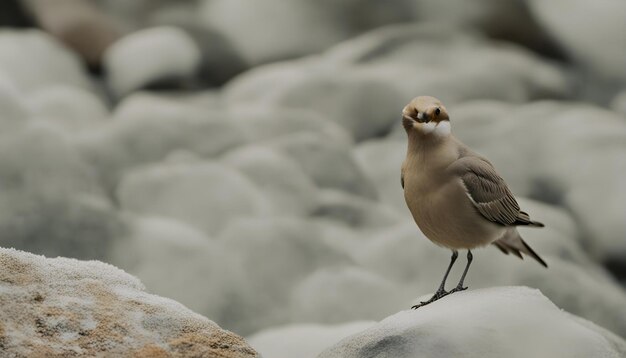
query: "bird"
454, 194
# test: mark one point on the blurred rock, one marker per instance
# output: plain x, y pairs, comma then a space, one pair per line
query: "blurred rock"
304, 27
13, 13
366, 107
146, 129
276, 254
78, 24
33, 60
288, 189
14, 111
353, 210
50, 201
509, 20
303, 340
73, 109
85, 309
599, 48
618, 104
579, 168
381, 161
335, 295
151, 57
205, 195
261, 124
330, 164
464, 323
154, 246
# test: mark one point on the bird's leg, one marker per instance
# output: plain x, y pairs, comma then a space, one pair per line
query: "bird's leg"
441, 292
460, 287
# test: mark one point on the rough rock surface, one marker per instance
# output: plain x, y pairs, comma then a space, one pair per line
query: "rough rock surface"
64, 307
498, 322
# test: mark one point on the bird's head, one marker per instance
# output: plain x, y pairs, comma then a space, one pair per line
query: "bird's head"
426, 116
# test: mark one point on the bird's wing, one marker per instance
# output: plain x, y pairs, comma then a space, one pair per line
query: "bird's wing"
487, 190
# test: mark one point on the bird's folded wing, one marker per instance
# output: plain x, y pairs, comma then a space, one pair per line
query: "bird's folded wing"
487, 190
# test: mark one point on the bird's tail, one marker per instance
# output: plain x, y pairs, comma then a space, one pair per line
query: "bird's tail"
512, 242
524, 220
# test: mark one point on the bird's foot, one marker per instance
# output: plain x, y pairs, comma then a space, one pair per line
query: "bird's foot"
457, 289
439, 294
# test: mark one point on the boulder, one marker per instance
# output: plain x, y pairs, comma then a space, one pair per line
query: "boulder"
483, 323
65, 307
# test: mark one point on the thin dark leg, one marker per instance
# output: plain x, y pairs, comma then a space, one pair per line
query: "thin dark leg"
441, 292
460, 287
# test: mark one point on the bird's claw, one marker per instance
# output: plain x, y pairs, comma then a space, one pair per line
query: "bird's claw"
436, 296
458, 289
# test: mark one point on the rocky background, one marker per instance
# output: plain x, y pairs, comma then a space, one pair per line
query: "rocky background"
242, 157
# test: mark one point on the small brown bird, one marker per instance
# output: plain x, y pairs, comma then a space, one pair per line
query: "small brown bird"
455, 195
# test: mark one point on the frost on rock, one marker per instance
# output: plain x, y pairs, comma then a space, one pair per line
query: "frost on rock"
515, 322
66, 307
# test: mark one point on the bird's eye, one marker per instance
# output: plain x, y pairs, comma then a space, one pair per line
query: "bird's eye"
437, 111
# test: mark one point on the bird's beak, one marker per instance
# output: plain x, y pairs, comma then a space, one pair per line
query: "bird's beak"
420, 117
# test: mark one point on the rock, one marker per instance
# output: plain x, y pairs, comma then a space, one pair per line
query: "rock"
263, 124
146, 129
71, 108
328, 163
282, 181
600, 48
381, 161
50, 201
365, 107
548, 168
78, 24
276, 254
353, 210
82, 309
33, 60
302, 340
205, 195
465, 323
149, 57
510, 20
153, 246
14, 111
336, 295
618, 103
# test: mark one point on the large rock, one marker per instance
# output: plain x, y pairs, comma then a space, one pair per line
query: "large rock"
33, 60
485, 323
14, 111
601, 47
203, 194
64, 307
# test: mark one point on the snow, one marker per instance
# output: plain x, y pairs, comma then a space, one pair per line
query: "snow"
496, 322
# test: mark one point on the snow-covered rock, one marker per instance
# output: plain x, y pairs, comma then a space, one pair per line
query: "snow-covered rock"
497, 322
65, 307
150, 56
600, 47
33, 60
302, 340
205, 195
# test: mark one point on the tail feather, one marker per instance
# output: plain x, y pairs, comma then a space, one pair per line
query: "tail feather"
524, 219
512, 242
